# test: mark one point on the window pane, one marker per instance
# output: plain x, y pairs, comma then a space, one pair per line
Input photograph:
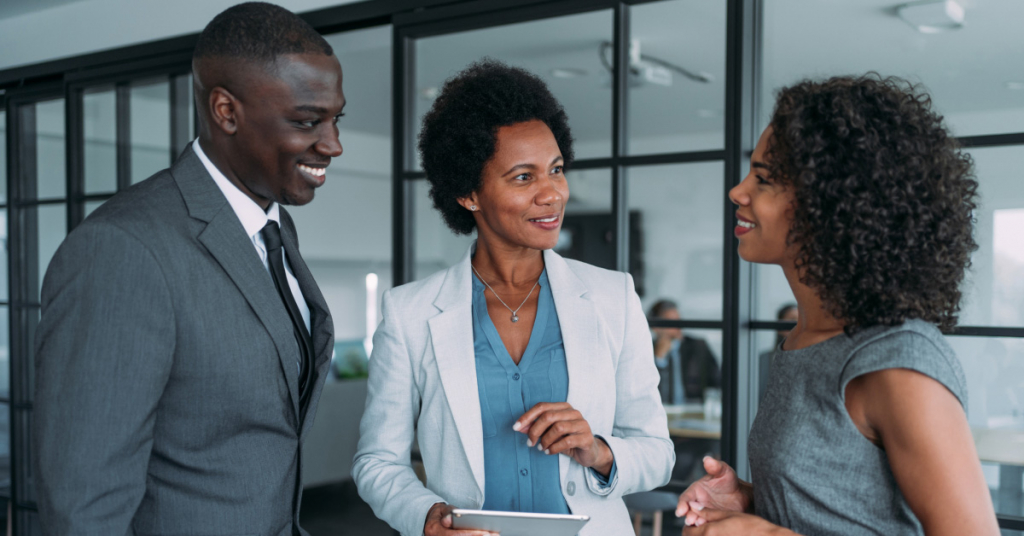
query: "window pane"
4, 255
995, 385
435, 247
677, 77
994, 292
345, 232
90, 206
565, 52
5, 357
150, 128
51, 221
5, 452
684, 267
588, 229
3, 156
99, 118
50, 149
696, 425
964, 70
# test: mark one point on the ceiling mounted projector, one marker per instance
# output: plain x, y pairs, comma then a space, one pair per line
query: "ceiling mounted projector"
931, 16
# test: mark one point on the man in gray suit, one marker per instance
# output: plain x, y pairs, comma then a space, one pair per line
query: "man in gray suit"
183, 342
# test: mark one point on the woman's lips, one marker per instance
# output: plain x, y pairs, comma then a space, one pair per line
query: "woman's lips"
743, 226
548, 223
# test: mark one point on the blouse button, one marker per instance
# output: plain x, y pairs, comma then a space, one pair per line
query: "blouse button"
515, 376
524, 472
570, 488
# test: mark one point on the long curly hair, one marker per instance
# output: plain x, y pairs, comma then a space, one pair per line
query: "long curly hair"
884, 199
459, 132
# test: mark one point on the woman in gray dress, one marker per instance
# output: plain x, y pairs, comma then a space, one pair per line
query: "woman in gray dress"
858, 191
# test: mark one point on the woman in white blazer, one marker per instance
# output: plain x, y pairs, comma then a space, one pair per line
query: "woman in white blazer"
528, 379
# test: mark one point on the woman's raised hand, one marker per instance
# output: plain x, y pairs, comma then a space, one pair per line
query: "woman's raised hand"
720, 489
557, 428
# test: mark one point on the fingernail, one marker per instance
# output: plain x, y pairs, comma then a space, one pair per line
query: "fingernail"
539, 446
697, 506
529, 442
547, 451
516, 426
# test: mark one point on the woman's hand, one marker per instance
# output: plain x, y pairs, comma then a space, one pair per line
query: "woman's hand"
720, 489
724, 523
439, 523
557, 428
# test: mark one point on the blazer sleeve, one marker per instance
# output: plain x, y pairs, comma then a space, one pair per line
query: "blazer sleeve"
382, 468
643, 452
104, 350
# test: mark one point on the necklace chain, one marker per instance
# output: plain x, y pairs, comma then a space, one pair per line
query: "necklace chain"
515, 314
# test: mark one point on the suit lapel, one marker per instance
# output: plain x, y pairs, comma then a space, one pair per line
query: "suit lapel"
580, 334
225, 239
451, 334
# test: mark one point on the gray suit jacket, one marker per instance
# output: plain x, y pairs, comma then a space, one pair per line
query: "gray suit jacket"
423, 384
166, 379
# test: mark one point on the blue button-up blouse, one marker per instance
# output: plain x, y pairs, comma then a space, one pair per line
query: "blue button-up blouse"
519, 478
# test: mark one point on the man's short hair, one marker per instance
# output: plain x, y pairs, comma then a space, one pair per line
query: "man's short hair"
258, 32
661, 307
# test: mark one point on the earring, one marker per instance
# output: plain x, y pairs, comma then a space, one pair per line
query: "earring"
472, 207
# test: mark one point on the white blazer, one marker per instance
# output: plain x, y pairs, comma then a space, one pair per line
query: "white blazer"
423, 381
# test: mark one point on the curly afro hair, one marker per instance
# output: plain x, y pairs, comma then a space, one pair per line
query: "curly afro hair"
459, 131
883, 199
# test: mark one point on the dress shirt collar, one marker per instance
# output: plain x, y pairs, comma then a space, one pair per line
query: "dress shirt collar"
252, 215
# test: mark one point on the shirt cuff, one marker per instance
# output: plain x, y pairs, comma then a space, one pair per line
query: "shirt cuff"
598, 483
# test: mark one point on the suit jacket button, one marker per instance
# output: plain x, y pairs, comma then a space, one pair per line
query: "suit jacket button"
570, 488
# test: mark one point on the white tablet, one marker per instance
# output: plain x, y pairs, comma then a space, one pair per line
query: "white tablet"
518, 523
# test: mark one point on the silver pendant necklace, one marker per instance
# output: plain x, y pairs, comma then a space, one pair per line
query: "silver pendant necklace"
515, 314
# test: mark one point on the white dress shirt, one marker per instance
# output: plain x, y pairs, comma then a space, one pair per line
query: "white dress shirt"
253, 220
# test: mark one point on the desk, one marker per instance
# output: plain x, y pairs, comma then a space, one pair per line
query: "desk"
687, 421
1004, 446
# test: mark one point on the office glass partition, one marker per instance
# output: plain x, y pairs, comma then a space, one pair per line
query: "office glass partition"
676, 87
99, 123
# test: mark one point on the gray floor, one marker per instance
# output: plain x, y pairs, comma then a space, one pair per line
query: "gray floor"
337, 510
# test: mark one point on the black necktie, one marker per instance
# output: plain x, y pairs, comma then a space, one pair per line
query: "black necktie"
272, 240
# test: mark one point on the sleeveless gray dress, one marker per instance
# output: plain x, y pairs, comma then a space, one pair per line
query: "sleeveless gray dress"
813, 472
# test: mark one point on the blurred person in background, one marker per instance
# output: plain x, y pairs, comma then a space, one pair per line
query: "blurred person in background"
686, 364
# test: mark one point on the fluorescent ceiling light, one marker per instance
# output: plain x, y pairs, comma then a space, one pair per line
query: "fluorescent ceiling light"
932, 16
568, 72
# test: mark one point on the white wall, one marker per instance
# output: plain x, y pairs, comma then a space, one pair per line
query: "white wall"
95, 25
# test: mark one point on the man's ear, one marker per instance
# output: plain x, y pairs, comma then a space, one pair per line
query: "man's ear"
469, 202
224, 110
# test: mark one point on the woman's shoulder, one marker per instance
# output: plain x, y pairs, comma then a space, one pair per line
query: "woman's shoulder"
915, 345
417, 293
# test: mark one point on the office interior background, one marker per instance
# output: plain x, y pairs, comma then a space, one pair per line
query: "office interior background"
665, 98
